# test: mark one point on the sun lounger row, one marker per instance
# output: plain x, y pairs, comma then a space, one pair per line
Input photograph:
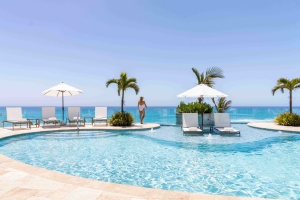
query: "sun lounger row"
190, 124
14, 116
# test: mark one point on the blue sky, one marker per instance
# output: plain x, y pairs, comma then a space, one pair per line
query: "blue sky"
84, 43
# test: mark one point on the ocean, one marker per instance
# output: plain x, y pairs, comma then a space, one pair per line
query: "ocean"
166, 115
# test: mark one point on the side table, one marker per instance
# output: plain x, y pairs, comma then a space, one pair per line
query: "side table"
37, 121
211, 128
89, 116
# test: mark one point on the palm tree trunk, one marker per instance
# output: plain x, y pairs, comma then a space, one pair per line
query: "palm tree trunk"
291, 104
213, 100
122, 102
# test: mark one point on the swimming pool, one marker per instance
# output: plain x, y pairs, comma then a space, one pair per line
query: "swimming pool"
260, 163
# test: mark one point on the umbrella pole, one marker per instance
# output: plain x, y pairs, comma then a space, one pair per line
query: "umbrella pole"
202, 120
63, 107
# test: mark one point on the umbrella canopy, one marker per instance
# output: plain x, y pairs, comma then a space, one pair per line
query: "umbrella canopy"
202, 90
62, 90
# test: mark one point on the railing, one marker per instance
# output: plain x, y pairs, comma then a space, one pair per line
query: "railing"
167, 115
248, 114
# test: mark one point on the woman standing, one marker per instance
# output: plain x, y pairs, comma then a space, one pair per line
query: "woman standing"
141, 108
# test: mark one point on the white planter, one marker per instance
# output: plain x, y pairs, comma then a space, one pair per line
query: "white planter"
208, 119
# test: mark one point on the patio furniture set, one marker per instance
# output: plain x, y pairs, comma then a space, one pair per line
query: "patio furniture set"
14, 116
190, 124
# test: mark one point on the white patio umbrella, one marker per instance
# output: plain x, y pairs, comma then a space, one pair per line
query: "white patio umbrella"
62, 90
203, 91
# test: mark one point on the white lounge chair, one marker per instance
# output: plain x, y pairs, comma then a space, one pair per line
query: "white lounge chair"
223, 124
14, 116
100, 115
49, 116
190, 123
73, 113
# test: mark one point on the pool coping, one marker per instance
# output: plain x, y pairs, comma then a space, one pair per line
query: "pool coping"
20, 180
274, 127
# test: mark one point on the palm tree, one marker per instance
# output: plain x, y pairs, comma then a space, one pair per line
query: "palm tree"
208, 78
290, 85
222, 104
123, 84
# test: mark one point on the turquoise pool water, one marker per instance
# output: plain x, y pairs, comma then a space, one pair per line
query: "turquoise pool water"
260, 163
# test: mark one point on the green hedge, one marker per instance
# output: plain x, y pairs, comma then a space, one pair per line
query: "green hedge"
194, 107
288, 119
121, 119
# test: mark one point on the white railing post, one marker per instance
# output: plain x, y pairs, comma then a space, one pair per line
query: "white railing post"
77, 119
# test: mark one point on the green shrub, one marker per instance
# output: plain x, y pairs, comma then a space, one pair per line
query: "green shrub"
288, 119
194, 107
121, 119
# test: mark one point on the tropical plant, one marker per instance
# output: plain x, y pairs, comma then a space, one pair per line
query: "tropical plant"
288, 119
290, 85
121, 119
208, 78
222, 105
194, 107
124, 84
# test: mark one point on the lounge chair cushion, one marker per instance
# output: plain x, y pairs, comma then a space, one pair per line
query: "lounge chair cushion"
52, 118
193, 128
187, 130
18, 120
23, 119
104, 118
76, 118
228, 129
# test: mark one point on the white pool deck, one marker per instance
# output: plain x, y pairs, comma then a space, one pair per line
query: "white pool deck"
21, 181
273, 126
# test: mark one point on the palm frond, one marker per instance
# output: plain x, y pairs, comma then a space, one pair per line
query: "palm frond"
295, 82
222, 105
227, 104
202, 77
110, 81
197, 75
282, 81
213, 100
277, 88
207, 77
130, 80
209, 82
297, 86
133, 86
123, 79
123, 75
214, 72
